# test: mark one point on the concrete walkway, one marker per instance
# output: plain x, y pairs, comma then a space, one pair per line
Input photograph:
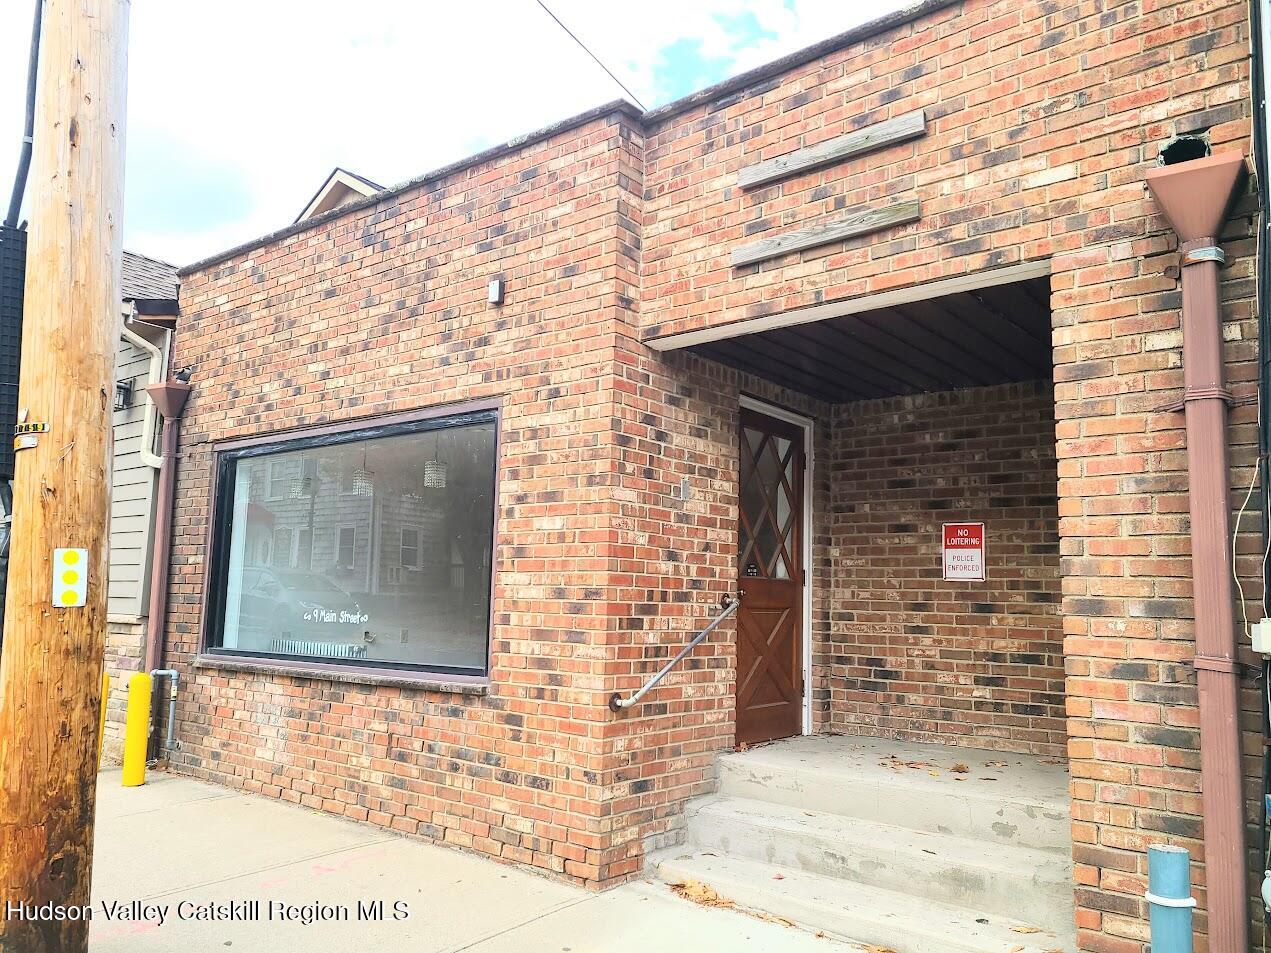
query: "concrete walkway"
177, 840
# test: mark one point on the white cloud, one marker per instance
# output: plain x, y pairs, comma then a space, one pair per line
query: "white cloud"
238, 109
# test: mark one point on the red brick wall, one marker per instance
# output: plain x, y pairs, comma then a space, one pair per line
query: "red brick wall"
384, 309
1043, 117
911, 655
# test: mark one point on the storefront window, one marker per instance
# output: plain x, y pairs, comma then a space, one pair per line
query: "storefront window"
369, 548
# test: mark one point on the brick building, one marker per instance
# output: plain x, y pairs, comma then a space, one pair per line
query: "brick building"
769, 339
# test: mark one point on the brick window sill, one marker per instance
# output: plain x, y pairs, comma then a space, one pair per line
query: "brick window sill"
422, 681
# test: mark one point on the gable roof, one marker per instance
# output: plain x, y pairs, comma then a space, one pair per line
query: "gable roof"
148, 279
340, 188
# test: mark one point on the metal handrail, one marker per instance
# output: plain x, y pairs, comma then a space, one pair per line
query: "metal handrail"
617, 702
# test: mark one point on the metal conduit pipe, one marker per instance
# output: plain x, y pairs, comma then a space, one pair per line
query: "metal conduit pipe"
1195, 196
175, 677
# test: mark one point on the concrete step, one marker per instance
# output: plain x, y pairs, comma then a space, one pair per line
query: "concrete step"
1000, 798
1016, 881
856, 912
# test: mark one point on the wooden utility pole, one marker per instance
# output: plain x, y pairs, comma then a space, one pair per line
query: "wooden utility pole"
51, 665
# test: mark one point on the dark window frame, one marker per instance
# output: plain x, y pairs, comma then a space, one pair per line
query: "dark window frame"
226, 454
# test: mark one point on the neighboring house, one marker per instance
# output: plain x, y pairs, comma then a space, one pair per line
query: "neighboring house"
148, 321
883, 337
340, 188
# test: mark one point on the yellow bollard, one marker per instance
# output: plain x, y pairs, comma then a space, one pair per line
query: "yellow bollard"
101, 720
137, 730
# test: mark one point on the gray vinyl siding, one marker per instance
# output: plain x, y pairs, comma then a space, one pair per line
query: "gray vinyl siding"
133, 491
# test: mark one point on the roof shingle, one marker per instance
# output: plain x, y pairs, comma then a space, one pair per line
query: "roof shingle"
146, 279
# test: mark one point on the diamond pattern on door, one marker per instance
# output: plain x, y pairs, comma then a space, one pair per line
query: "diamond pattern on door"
768, 505
770, 571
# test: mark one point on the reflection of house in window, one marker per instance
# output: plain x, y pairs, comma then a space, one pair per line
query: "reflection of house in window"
410, 547
280, 479
344, 547
282, 548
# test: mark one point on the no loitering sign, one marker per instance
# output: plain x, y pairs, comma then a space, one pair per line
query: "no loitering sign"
963, 550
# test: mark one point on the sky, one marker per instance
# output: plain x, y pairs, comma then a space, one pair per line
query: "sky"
239, 109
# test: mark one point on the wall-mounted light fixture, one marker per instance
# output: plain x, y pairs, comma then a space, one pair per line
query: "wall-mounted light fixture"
494, 291
123, 395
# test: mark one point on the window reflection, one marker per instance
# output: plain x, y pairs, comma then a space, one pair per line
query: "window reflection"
373, 550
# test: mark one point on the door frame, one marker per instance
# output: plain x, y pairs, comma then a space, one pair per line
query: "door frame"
807, 424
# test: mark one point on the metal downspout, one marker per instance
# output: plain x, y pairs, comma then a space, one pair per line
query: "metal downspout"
1195, 196
170, 398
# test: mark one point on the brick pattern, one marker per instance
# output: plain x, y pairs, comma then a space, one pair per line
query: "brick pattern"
1042, 120
125, 651
617, 500
912, 655
384, 310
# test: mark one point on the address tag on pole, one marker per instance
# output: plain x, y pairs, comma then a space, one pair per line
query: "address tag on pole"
70, 577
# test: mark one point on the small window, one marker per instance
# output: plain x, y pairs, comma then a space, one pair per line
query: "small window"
280, 480
410, 547
346, 548
370, 547
282, 548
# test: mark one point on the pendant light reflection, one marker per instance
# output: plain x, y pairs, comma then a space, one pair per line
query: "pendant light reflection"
436, 471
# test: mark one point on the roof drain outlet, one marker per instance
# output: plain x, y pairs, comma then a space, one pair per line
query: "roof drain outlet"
1184, 149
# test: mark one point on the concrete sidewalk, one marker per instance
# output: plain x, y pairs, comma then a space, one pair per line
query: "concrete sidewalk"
177, 840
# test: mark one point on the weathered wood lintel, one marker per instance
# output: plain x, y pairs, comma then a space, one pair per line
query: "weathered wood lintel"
861, 221
876, 136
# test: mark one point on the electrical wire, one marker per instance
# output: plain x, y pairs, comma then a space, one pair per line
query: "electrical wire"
1235, 535
28, 129
591, 54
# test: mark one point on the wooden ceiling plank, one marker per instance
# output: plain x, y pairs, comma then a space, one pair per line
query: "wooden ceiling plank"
872, 325
1006, 333
966, 333
978, 373
748, 365
807, 340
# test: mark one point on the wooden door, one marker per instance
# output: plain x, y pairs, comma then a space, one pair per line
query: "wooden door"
771, 576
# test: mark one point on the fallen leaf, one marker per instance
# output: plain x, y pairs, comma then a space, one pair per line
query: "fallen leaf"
994, 764
1016, 949
701, 894
934, 774
770, 918
877, 949
1026, 930
778, 876
959, 768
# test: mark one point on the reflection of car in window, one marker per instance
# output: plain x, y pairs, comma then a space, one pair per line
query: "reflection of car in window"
277, 602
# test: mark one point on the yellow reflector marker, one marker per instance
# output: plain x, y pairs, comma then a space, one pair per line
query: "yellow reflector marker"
137, 730
70, 577
101, 724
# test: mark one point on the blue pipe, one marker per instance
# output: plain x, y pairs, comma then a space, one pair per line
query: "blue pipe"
1169, 897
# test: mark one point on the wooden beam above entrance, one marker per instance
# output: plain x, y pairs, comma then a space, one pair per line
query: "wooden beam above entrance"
869, 139
860, 221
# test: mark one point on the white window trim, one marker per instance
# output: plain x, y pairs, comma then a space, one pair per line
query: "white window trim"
418, 547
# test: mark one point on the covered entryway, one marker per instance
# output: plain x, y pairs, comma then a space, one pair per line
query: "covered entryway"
771, 574
929, 808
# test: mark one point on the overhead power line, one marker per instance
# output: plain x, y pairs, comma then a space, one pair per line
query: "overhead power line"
591, 54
